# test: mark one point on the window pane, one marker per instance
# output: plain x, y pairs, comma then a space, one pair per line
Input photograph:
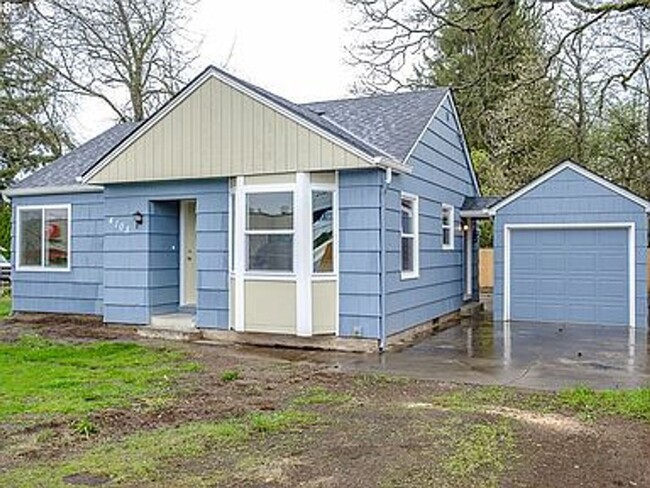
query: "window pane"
270, 252
56, 238
407, 254
322, 231
446, 213
269, 211
407, 217
446, 236
31, 237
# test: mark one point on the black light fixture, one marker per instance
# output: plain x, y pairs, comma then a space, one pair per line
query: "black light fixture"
138, 218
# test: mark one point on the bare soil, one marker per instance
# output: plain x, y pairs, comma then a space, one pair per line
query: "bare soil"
388, 434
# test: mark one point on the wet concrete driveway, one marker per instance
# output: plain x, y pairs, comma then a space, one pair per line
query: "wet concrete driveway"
531, 355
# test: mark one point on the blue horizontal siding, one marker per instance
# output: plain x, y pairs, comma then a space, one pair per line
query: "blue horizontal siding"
145, 260
359, 253
80, 290
441, 174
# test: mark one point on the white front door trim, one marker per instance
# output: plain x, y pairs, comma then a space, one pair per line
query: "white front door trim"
468, 247
631, 244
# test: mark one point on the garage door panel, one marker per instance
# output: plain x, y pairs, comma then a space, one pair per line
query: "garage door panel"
552, 261
612, 262
569, 275
549, 312
551, 287
585, 262
523, 261
581, 313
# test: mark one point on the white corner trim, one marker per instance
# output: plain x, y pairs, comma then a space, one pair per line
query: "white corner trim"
631, 241
196, 84
52, 190
578, 169
42, 268
240, 254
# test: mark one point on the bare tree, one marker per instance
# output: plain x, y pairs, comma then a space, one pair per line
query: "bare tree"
579, 78
130, 54
394, 33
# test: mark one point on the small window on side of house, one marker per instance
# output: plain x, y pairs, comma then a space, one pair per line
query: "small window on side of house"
447, 219
409, 236
43, 238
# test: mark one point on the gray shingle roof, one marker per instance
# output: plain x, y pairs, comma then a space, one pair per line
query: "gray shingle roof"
479, 203
391, 122
379, 126
65, 170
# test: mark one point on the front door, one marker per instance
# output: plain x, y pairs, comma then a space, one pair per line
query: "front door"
188, 252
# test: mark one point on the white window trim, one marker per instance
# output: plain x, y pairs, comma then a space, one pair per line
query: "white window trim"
326, 187
450, 226
414, 199
42, 268
631, 242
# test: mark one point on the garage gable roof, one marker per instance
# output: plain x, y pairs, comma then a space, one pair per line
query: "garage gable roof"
578, 169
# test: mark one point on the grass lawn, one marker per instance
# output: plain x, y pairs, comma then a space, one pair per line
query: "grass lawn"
44, 377
5, 306
124, 413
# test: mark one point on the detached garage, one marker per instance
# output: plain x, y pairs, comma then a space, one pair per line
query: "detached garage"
571, 247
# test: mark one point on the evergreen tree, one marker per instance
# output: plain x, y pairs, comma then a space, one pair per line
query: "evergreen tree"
493, 59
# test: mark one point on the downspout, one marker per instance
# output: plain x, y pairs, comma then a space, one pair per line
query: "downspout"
382, 261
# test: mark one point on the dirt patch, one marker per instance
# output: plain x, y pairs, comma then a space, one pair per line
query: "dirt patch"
559, 423
63, 327
372, 430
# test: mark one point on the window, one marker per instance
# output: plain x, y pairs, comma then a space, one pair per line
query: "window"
410, 245
269, 231
322, 224
447, 226
43, 238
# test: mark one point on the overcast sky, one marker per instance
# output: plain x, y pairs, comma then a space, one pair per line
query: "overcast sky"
295, 48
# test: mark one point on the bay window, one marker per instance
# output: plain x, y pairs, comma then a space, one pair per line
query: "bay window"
43, 238
269, 232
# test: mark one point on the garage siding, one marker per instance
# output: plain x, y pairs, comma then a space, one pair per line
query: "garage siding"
570, 197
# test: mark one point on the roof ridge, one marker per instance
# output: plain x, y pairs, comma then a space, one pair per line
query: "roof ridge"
377, 95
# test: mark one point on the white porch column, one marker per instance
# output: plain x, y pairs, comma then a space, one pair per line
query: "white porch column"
240, 250
303, 255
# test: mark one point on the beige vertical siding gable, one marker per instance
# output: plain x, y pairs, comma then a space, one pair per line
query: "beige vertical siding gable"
218, 130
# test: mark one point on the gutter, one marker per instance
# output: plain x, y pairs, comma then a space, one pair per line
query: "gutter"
382, 260
51, 190
476, 214
392, 164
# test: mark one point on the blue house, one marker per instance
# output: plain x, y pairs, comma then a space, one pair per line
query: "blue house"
237, 212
